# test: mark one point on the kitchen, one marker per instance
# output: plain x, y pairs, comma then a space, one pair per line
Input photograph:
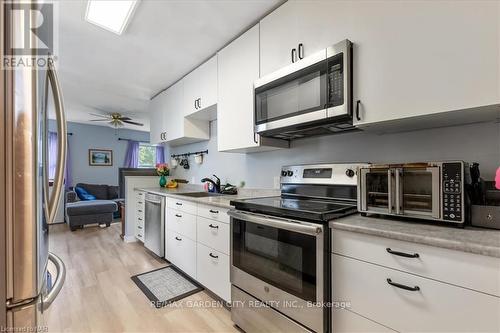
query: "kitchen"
321, 175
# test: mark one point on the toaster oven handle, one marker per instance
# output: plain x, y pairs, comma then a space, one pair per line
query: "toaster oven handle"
390, 173
290, 225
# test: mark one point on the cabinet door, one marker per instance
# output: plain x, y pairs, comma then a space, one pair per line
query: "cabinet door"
278, 36
191, 92
207, 77
238, 69
174, 116
345, 321
213, 271
426, 67
156, 110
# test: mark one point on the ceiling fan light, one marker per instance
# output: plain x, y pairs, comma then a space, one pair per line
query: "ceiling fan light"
112, 15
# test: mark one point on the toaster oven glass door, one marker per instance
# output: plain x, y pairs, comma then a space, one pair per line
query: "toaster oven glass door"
418, 191
377, 190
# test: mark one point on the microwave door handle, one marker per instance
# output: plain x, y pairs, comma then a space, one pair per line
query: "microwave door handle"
294, 226
53, 202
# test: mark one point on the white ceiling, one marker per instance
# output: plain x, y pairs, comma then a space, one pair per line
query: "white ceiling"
101, 72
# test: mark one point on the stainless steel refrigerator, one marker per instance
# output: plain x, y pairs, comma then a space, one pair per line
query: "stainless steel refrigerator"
26, 288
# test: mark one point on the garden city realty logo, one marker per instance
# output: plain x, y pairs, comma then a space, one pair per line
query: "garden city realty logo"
32, 36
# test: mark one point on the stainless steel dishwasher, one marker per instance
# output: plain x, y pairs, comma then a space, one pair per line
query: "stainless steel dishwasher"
154, 224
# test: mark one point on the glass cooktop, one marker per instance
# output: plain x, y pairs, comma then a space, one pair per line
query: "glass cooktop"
309, 209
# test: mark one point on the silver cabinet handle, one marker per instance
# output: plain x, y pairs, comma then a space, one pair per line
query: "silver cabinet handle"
178, 215
291, 225
53, 202
56, 288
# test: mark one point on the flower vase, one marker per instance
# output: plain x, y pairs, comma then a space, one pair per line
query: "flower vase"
163, 181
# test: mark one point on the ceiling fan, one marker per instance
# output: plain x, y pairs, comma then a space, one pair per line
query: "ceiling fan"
115, 119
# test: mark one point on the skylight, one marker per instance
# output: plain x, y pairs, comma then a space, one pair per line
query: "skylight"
112, 15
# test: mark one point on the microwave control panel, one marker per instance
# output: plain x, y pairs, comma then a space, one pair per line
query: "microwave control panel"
452, 176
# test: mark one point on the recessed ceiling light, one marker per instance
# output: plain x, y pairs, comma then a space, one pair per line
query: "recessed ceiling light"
112, 15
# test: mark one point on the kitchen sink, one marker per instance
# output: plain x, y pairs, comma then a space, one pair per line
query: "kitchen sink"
199, 194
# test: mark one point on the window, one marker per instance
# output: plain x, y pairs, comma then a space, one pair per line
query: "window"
147, 156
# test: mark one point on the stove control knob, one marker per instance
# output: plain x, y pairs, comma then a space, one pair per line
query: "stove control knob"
289, 173
283, 173
350, 173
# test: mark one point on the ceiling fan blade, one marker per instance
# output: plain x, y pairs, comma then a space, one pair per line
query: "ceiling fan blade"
124, 118
99, 115
132, 122
99, 120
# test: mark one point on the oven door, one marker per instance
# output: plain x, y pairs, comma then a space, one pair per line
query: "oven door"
418, 191
282, 263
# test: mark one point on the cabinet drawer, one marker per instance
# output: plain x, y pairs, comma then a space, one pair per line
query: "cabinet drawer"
139, 233
182, 205
182, 223
181, 251
139, 222
213, 268
214, 213
435, 307
213, 234
481, 273
344, 321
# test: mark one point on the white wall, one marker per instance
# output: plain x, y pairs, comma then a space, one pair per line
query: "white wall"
475, 142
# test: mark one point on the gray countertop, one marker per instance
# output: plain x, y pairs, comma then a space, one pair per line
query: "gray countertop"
219, 201
469, 239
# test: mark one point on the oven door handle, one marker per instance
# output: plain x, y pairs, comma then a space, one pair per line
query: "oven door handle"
290, 225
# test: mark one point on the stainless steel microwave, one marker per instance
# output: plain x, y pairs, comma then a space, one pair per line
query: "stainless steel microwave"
432, 190
312, 96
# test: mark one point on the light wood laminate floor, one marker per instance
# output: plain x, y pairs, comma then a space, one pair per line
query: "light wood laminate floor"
99, 296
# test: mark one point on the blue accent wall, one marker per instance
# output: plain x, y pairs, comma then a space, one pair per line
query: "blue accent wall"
87, 137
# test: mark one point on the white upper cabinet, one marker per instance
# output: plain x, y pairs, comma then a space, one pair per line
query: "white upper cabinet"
237, 70
168, 123
173, 116
409, 58
156, 131
278, 37
200, 87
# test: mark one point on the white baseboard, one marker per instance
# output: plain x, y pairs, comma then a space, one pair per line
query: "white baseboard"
129, 239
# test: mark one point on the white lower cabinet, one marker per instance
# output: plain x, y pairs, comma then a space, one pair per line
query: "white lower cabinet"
213, 271
411, 294
140, 212
197, 241
181, 252
345, 321
213, 234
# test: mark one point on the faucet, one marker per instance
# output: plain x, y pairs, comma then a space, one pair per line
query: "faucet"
216, 184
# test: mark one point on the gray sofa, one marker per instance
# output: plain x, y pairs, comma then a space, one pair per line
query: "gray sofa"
100, 211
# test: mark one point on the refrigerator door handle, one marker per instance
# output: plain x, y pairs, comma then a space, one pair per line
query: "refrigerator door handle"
61, 142
61, 275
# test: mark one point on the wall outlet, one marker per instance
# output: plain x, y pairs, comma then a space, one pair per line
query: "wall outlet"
276, 182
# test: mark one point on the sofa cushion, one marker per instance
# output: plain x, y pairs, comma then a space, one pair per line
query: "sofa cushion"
83, 194
99, 191
113, 192
91, 207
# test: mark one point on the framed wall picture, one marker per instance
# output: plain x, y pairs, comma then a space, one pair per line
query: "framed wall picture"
100, 157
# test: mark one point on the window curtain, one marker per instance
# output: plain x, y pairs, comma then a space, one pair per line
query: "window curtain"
52, 157
52, 152
160, 154
132, 155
